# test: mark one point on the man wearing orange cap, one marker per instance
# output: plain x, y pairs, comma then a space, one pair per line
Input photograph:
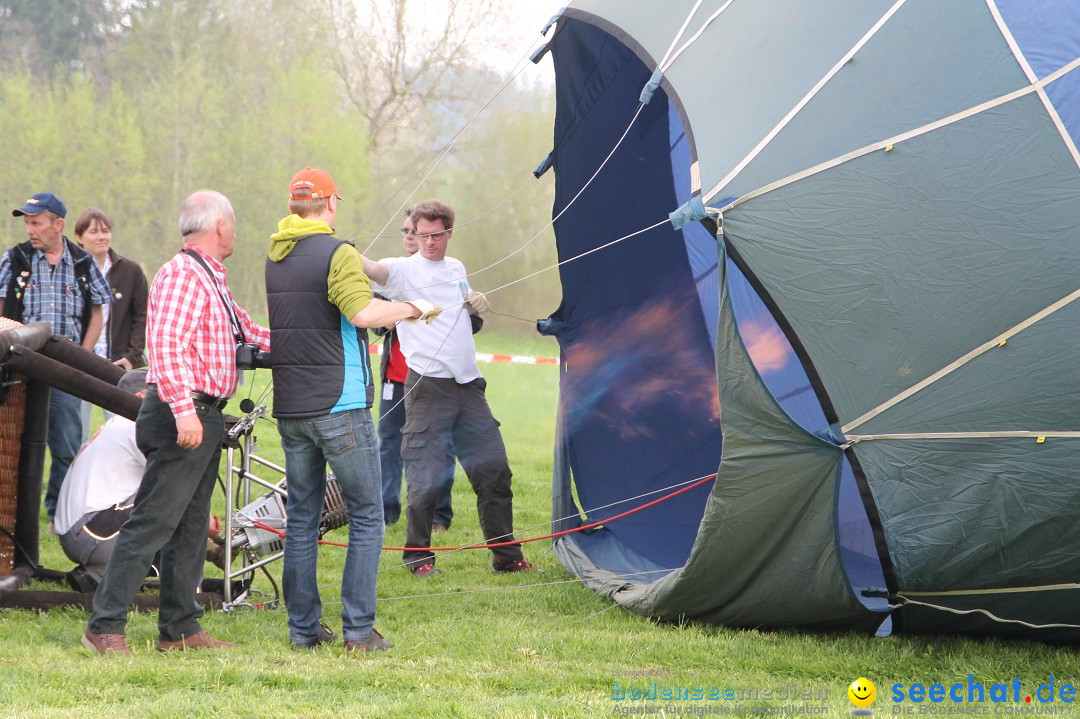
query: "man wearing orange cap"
320, 305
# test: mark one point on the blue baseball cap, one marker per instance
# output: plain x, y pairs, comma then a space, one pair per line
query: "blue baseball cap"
39, 203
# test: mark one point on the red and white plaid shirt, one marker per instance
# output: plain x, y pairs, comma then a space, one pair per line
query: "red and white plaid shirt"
189, 337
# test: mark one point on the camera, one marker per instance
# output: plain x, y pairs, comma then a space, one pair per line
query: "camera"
249, 356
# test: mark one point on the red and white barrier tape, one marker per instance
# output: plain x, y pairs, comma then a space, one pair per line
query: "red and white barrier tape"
487, 357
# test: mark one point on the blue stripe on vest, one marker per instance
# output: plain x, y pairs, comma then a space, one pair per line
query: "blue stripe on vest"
357, 372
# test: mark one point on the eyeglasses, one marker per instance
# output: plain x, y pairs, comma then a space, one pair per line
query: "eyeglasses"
406, 231
432, 235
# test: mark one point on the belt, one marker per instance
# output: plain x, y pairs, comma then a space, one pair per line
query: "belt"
217, 403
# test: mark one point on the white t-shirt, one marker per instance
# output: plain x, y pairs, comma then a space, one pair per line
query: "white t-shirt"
106, 471
101, 349
444, 348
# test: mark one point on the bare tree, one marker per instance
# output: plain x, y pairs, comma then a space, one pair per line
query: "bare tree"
397, 60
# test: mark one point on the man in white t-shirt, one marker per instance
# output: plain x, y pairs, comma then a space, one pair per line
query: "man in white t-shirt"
98, 493
444, 395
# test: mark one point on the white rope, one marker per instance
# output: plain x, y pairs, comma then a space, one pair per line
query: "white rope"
464, 592
572, 201
589, 182
665, 65
550, 524
474, 220
997, 590
560, 264
1032, 78
897, 139
507, 587
675, 40
949, 369
616, 604
557, 264
518, 68
530, 180
550, 223
567, 261
622, 138
435, 356
802, 103
853, 439
529, 276
987, 613
487, 590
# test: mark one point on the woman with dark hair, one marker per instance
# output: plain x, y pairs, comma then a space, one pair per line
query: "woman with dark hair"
123, 335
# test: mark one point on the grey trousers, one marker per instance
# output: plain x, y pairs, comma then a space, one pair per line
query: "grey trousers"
92, 551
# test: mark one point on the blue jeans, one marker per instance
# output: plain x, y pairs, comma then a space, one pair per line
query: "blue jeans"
65, 438
391, 420
172, 510
345, 441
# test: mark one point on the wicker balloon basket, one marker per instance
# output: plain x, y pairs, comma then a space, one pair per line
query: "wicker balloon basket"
12, 415
12, 419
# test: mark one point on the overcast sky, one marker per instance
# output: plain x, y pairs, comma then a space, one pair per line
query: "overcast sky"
522, 32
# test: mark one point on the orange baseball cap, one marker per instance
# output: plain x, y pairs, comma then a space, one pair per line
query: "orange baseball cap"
312, 184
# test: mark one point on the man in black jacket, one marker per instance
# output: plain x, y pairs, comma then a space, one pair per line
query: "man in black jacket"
50, 279
320, 305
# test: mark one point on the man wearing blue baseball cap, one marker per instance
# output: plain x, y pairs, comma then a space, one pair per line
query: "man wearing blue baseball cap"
50, 279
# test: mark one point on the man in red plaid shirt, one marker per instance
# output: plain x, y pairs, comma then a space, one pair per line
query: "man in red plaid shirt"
192, 351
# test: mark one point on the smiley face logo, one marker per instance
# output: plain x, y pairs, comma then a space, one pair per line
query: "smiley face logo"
862, 692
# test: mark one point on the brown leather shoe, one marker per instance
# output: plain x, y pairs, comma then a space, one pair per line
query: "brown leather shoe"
105, 643
201, 639
373, 642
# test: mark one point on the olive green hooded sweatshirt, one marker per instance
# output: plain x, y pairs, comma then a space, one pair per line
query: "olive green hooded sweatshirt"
349, 287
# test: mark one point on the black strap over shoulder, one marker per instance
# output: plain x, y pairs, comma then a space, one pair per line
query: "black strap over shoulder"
238, 332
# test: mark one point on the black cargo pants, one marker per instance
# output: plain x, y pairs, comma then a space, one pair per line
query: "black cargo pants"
438, 411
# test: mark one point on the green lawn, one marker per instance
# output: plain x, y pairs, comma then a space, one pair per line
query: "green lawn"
470, 643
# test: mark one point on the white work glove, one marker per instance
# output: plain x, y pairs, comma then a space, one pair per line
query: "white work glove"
477, 302
428, 312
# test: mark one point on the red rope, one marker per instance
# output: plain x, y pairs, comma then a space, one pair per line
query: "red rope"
516, 542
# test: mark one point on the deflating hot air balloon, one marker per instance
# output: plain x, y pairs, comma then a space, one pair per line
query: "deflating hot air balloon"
833, 256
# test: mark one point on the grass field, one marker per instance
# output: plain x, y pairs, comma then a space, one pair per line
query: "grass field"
473, 644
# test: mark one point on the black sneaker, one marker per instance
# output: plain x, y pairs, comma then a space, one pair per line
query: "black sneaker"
373, 642
80, 580
507, 566
326, 636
